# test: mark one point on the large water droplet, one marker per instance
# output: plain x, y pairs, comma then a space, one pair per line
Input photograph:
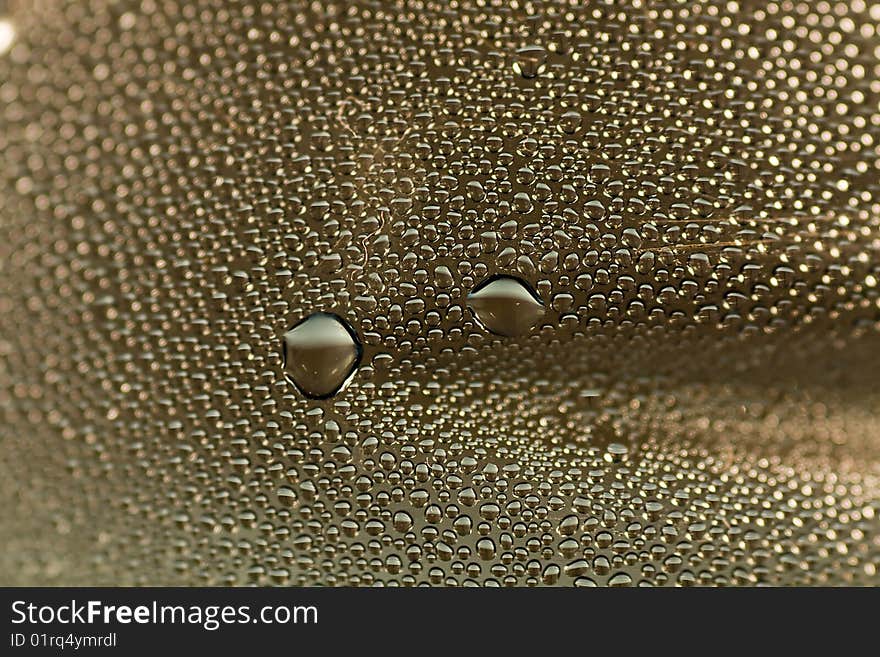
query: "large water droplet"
320, 353
506, 306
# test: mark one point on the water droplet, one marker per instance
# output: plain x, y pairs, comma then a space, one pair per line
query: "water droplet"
615, 453
620, 579
506, 306
530, 61
320, 353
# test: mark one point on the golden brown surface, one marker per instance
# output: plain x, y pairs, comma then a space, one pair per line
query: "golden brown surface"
690, 189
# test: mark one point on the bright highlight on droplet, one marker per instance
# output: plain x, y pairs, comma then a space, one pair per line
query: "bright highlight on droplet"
7, 35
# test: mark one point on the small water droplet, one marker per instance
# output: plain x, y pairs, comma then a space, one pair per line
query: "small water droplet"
529, 61
615, 452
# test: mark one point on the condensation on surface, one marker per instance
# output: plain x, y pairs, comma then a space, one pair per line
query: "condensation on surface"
689, 193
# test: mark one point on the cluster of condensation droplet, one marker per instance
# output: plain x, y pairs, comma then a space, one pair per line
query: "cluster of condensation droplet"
481, 293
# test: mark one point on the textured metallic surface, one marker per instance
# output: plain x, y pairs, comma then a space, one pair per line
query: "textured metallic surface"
690, 188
